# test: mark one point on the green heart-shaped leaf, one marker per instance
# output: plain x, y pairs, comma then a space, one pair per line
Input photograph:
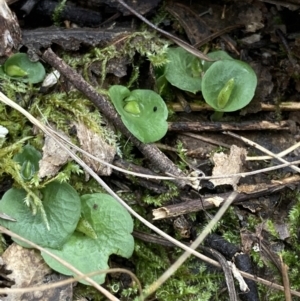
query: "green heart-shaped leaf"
19, 67
143, 112
62, 206
112, 226
229, 85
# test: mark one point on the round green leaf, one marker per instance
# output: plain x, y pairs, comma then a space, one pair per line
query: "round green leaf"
19, 67
62, 206
143, 112
112, 225
221, 74
183, 70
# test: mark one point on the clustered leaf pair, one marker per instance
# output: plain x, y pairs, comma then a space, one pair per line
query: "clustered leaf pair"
226, 84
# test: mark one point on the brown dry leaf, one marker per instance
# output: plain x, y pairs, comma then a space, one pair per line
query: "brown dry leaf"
53, 157
227, 165
94, 144
29, 269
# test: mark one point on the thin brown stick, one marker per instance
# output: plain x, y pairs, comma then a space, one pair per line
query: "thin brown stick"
194, 152
285, 280
227, 272
211, 201
227, 126
217, 34
196, 107
150, 151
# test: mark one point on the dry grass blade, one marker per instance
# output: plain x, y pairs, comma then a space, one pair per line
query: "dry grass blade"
259, 147
175, 39
281, 154
285, 280
171, 178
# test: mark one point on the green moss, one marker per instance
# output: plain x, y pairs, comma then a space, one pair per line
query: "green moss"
57, 12
159, 200
192, 281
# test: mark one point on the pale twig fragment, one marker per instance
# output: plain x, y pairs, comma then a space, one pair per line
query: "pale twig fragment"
237, 275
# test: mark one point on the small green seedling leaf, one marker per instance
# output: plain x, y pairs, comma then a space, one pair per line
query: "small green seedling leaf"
16, 71
62, 206
132, 107
225, 93
229, 85
143, 112
19, 67
86, 228
27, 170
113, 226
29, 160
183, 70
